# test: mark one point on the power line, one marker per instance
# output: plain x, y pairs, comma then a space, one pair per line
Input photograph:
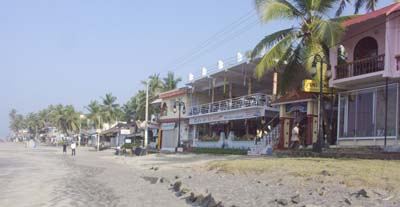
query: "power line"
212, 40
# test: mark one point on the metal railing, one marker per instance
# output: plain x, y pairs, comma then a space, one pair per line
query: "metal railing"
248, 101
361, 67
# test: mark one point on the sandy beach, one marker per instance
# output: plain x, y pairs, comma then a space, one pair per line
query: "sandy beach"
46, 177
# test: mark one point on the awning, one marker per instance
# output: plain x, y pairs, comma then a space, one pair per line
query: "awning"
157, 101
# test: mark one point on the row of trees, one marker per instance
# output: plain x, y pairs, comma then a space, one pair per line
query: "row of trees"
69, 120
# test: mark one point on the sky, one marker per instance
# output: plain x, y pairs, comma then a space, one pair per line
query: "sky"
74, 51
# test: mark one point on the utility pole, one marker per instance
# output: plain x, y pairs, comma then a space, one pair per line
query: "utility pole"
146, 116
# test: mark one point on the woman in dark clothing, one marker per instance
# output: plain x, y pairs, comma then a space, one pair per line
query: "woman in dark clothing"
64, 147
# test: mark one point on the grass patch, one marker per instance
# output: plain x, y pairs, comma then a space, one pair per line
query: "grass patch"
352, 172
219, 151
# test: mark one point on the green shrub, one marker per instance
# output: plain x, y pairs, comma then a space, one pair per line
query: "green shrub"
128, 146
219, 151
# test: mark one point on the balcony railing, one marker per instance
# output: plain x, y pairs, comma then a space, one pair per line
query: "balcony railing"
230, 104
361, 67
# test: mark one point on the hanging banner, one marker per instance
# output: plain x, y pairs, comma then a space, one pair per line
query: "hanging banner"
234, 115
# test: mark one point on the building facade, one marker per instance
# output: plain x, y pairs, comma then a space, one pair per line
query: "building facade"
231, 108
173, 122
366, 73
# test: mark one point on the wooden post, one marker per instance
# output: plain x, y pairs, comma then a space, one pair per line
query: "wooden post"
249, 87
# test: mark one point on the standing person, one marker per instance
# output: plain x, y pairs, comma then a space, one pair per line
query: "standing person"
295, 136
64, 147
73, 147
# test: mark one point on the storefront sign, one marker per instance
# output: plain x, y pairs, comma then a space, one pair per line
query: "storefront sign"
125, 131
302, 107
168, 126
234, 115
128, 141
313, 86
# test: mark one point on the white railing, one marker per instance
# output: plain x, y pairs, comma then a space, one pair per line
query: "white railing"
248, 101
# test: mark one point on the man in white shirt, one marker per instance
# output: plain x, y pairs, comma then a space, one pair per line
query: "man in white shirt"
73, 147
295, 136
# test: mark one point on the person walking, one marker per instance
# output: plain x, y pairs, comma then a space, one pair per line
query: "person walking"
73, 148
295, 136
64, 147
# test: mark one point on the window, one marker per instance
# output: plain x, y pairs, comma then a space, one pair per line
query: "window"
365, 114
365, 48
380, 111
362, 113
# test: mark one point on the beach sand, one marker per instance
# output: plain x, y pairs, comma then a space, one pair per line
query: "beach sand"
46, 177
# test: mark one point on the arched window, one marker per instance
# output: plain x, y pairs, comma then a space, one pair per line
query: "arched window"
365, 48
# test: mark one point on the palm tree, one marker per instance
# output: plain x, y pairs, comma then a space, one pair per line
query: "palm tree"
58, 118
369, 5
140, 103
129, 110
95, 114
169, 82
110, 108
33, 124
292, 49
71, 117
17, 121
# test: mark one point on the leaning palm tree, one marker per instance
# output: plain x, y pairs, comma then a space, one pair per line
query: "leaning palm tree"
170, 82
110, 108
292, 49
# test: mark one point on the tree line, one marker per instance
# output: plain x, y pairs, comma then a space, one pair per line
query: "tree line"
68, 120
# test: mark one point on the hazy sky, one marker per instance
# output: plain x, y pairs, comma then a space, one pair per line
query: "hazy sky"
74, 51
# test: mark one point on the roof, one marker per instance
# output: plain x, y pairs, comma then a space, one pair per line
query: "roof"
294, 96
173, 93
371, 15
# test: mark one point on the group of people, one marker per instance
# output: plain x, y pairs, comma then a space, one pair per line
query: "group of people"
73, 148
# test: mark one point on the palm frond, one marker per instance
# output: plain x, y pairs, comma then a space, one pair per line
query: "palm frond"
276, 9
342, 5
358, 4
271, 40
344, 18
328, 32
276, 52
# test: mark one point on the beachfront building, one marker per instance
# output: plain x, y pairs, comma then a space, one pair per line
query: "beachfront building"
366, 73
173, 122
230, 108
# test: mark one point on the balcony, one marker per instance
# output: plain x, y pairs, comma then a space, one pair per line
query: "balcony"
249, 101
361, 67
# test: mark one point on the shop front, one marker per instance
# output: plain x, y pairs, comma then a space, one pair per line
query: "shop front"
300, 107
231, 129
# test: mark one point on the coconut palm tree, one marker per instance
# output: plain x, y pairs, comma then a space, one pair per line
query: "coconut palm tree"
17, 121
95, 114
369, 5
129, 110
110, 108
66, 118
170, 82
71, 117
292, 49
33, 124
